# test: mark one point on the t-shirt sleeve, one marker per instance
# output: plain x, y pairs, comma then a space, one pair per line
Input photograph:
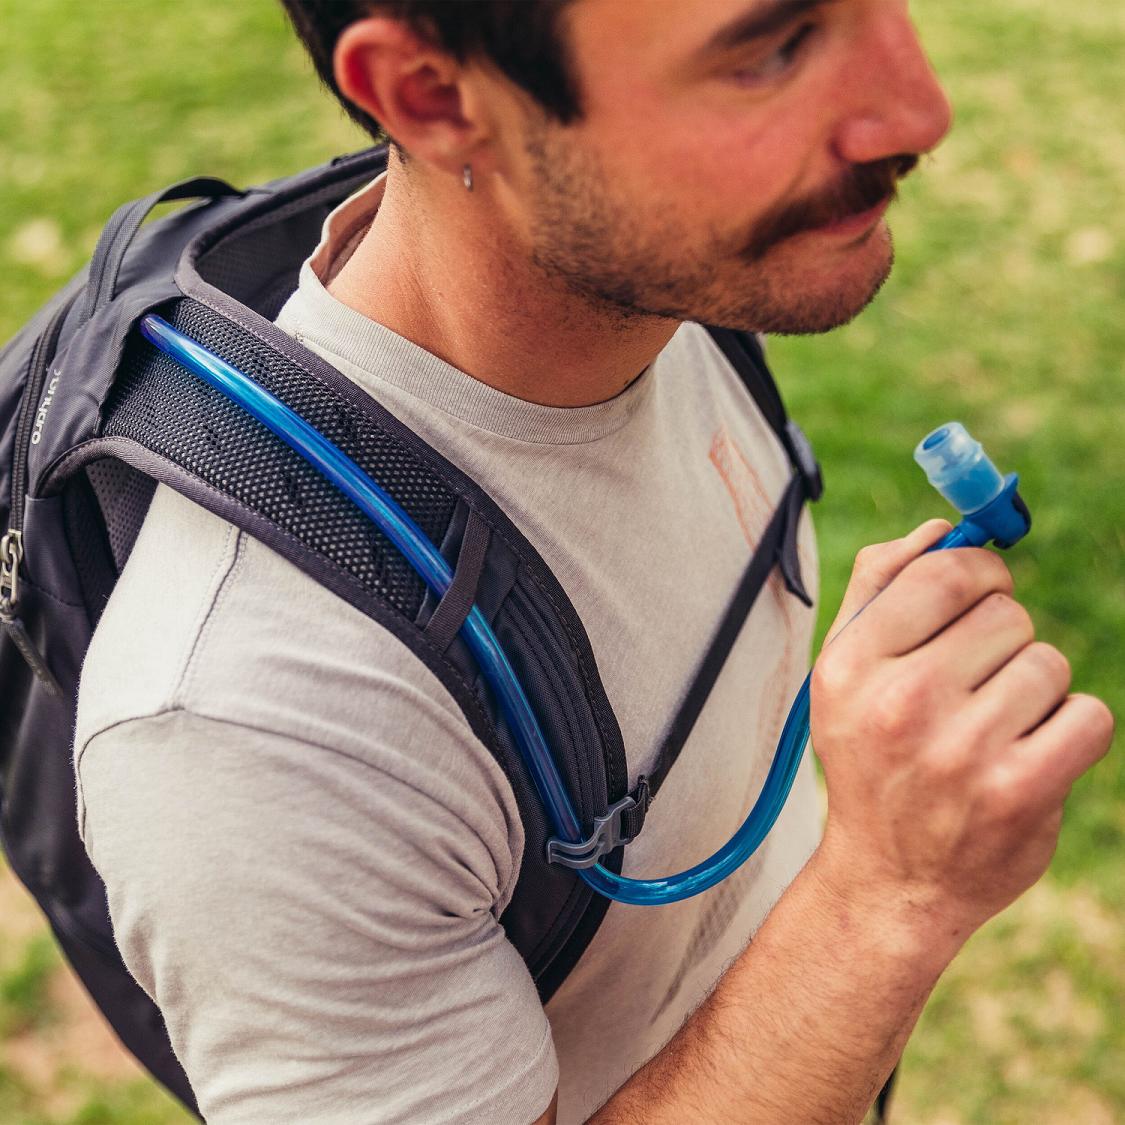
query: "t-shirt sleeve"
321, 937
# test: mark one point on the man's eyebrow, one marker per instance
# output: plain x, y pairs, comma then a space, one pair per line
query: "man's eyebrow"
760, 21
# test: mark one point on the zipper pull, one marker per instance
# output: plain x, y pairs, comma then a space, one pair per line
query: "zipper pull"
11, 554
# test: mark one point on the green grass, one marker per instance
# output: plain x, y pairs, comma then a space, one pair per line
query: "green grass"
77, 1099
24, 1003
1005, 310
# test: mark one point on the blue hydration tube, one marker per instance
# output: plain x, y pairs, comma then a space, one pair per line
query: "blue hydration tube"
955, 464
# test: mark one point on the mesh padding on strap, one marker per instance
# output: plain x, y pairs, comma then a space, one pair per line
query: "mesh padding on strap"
259, 262
167, 409
124, 496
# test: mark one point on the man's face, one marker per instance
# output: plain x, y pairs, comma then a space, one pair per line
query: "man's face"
713, 157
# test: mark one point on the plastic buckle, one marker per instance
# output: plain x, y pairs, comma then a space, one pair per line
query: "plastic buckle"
801, 451
605, 837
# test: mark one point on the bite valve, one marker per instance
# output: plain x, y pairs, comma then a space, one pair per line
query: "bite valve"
990, 503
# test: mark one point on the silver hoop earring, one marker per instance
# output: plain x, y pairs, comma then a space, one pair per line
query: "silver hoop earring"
467, 177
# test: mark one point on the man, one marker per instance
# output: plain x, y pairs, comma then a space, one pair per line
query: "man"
576, 187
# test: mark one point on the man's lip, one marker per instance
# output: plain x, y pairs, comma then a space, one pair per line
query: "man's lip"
856, 224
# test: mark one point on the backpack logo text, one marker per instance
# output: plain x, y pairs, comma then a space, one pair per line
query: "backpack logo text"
41, 413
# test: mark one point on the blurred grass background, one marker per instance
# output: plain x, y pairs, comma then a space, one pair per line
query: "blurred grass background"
1005, 310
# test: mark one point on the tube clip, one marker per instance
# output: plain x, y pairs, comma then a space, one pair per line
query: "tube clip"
606, 836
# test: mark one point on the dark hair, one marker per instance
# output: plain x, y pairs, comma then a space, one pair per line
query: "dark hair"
521, 37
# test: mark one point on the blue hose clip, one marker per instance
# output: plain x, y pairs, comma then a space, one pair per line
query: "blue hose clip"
960, 470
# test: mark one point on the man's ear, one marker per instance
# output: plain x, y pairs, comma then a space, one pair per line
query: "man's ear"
417, 92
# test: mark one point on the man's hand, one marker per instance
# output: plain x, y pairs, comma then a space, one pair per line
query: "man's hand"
949, 743
947, 736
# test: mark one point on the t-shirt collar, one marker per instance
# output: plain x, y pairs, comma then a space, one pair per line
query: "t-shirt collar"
372, 354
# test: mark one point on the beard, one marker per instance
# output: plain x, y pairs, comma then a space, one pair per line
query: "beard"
625, 262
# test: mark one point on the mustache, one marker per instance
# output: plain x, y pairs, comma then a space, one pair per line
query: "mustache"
861, 189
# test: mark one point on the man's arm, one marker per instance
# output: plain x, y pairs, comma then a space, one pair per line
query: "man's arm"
949, 744
320, 934
806, 1024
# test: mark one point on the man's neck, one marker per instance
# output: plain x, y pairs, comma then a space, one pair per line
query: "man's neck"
441, 277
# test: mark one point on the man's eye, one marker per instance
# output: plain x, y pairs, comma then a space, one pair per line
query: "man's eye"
780, 60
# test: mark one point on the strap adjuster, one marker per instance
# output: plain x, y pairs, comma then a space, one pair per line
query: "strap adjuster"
801, 453
606, 836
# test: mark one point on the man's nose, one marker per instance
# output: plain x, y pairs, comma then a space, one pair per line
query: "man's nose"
898, 105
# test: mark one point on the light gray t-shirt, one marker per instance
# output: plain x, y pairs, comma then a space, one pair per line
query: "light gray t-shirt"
306, 849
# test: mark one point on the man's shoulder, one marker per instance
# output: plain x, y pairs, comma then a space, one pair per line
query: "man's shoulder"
206, 618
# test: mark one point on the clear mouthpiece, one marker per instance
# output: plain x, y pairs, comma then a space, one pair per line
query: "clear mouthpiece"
958, 468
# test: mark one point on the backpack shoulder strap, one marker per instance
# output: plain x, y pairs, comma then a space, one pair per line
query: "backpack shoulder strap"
778, 546
169, 425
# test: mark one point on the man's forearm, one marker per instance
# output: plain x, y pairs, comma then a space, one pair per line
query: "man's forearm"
807, 1023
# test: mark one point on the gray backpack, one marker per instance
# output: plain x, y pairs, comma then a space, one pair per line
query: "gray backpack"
92, 416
